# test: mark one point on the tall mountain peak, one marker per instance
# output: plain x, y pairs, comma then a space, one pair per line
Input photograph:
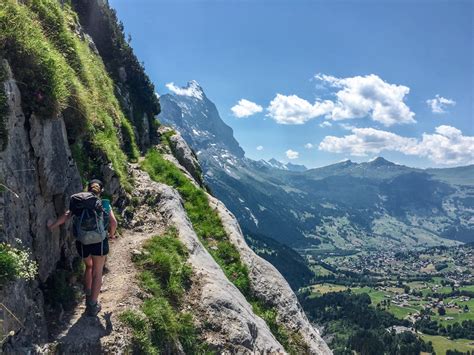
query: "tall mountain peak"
192, 89
190, 111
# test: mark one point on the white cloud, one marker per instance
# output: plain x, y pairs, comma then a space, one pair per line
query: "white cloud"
439, 104
295, 110
291, 154
448, 146
369, 95
260, 147
245, 108
347, 126
325, 124
308, 146
364, 141
192, 89
355, 97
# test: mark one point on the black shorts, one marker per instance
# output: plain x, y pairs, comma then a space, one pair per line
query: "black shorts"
96, 249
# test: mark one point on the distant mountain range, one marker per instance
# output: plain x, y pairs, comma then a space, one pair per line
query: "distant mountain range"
377, 204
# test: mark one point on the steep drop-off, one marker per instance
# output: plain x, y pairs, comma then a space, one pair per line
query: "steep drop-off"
75, 103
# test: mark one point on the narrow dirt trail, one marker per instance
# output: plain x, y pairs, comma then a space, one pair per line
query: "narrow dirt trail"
120, 291
77, 333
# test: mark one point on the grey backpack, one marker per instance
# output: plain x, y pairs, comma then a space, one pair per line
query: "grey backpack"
88, 213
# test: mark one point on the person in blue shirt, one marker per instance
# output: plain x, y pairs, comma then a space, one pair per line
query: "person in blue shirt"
93, 255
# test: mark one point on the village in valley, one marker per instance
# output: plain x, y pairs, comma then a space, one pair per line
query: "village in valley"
432, 290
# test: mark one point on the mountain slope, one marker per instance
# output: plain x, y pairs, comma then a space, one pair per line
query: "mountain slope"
377, 204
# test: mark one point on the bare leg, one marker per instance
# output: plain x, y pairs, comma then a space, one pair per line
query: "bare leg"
97, 267
88, 273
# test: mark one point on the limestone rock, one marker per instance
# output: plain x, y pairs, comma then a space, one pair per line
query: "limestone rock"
184, 154
230, 323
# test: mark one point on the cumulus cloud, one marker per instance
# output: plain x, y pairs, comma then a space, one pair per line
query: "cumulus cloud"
308, 146
364, 141
447, 146
295, 110
355, 97
325, 124
439, 104
260, 147
245, 108
369, 95
291, 154
192, 89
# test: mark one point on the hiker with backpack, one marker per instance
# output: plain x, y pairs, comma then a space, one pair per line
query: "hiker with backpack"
94, 223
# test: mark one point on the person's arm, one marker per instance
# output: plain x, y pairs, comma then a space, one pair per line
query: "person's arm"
112, 224
61, 220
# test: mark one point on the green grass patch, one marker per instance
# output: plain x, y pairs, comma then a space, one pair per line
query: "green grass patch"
324, 288
209, 229
165, 137
292, 342
442, 344
165, 275
58, 73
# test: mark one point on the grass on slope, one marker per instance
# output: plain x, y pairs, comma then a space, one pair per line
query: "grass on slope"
57, 72
209, 229
161, 324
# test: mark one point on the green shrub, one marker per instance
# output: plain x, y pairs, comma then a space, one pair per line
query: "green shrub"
15, 263
165, 276
8, 265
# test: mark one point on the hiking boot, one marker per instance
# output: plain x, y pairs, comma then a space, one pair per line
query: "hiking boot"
93, 309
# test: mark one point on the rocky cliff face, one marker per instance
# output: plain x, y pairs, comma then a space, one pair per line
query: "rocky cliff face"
40, 174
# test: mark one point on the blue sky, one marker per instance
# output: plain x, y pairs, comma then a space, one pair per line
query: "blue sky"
380, 61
